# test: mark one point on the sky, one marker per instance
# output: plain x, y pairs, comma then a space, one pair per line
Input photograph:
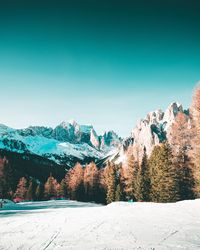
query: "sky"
100, 62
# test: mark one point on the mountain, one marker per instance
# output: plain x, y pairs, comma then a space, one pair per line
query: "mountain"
66, 144
155, 128
70, 142
149, 132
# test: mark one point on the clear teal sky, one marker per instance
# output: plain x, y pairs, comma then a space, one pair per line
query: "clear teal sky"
106, 63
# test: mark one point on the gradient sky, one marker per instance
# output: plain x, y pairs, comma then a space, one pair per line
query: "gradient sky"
100, 62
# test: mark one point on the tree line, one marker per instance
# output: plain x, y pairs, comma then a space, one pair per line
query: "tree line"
171, 173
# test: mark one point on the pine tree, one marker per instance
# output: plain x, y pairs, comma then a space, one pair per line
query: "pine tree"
91, 179
131, 178
181, 138
75, 183
144, 180
39, 192
63, 188
31, 190
50, 186
22, 188
119, 193
164, 183
102, 187
6, 179
110, 181
2, 179
196, 139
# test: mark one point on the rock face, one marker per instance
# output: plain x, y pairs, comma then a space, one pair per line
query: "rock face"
149, 132
154, 129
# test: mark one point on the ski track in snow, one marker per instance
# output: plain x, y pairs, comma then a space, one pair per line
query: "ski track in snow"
119, 226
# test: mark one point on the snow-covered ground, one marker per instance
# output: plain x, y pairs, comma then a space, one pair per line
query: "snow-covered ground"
75, 225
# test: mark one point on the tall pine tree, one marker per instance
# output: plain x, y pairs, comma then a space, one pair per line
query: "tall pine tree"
6, 179
144, 179
180, 138
131, 170
22, 188
196, 140
91, 182
164, 183
50, 188
39, 192
75, 183
110, 181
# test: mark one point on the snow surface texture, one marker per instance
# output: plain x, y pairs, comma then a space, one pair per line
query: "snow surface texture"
85, 226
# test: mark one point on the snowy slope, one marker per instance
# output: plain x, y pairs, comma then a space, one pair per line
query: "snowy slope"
119, 226
66, 141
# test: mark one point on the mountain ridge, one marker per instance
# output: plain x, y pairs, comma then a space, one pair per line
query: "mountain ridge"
70, 142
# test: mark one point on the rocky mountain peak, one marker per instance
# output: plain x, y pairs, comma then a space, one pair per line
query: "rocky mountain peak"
154, 128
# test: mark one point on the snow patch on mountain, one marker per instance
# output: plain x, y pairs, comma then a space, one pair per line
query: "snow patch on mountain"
68, 139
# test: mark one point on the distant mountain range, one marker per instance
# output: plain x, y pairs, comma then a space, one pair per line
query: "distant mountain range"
66, 144
70, 142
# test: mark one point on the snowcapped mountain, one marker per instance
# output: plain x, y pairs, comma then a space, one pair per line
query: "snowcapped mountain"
67, 143
70, 142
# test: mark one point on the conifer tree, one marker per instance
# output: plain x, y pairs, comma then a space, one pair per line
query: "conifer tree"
119, 193
196, 139
102, 187
50, 188
132, 178
63, 188
39, 192
22, 188
110, 181
91, 182
181, 139
163, 176
144, 180
75, 183
30, 191
6, 179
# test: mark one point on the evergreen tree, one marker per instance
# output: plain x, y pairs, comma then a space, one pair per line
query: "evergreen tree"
2, 179
132, 178
196, 139
50, 188
102, 187
110, 181
181, 137
185, 175
119, 193
75, 183
21, 191
31, 190
6, 179
63, 188
144, 180
39, 192
164, 183
91, 181
122, 183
